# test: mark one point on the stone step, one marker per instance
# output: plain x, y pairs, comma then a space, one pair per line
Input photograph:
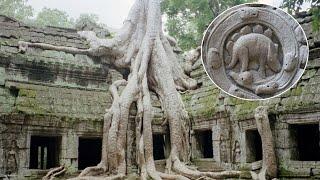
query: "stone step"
207, 164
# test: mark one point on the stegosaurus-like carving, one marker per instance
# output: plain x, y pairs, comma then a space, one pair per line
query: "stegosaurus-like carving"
255, 46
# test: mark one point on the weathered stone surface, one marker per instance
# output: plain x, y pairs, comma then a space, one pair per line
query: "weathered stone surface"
254, 51
300, 105
69, 102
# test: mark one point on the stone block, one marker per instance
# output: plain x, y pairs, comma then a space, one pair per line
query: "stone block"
2, 76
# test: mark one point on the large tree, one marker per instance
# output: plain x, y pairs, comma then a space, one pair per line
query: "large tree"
142, 48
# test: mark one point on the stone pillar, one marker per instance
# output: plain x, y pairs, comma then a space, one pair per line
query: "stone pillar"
221, 141
2, 160
243, 147
216, 141
22, 150
285, 142
2, 75
69, 151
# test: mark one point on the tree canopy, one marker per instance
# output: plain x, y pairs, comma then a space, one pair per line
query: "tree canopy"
53, 17
188, 19
20, 10
17, 9
295, 6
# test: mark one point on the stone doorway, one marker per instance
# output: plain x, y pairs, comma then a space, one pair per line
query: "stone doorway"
204, 143
253, 146
159, 146
89, 152
306, 139
44, 152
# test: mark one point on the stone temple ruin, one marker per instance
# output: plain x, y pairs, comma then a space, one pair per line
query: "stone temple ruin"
52, 106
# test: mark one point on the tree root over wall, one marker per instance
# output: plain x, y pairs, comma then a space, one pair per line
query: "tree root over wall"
54, 173
269, 161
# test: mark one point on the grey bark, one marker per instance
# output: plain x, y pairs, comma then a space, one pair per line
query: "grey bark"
269, 161
142, 47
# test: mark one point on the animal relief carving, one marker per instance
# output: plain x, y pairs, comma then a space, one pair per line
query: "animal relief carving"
255, 46
247, 13
290, 62
254, 51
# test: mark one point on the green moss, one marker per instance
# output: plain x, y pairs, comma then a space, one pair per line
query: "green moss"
245, 108
245, 167
207, 112
285, 172
232, 100
309, 73
296, 91
27, 93
29, 105
245, 175
186, 97
209, 106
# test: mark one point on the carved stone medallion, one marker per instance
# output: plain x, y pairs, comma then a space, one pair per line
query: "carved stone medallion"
254, 51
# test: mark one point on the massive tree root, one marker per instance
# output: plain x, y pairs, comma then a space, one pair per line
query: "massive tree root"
269, 161
54, 173
142, 48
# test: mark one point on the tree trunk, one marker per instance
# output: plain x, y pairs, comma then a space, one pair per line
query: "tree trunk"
269, 161
142, 48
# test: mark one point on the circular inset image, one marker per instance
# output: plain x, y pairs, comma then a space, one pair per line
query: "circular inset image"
254, 51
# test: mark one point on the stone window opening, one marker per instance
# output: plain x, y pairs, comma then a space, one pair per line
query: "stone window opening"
14, 91
204, 144
253, 146
305, 139
160, 146
44, 152
89, 151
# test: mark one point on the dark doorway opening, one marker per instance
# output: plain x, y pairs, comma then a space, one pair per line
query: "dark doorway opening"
89, 152
14, 91
307, 141
254, 146
44, 152
158, 146
204, 143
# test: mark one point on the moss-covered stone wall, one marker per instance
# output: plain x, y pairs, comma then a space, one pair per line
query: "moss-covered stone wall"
209, 100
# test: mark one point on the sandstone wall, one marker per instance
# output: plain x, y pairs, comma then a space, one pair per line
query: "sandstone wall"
59, 94
230, 118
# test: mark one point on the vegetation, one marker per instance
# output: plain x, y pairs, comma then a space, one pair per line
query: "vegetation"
141, 48
295, 6
19, 10
53, 17
188, 19
316, 17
